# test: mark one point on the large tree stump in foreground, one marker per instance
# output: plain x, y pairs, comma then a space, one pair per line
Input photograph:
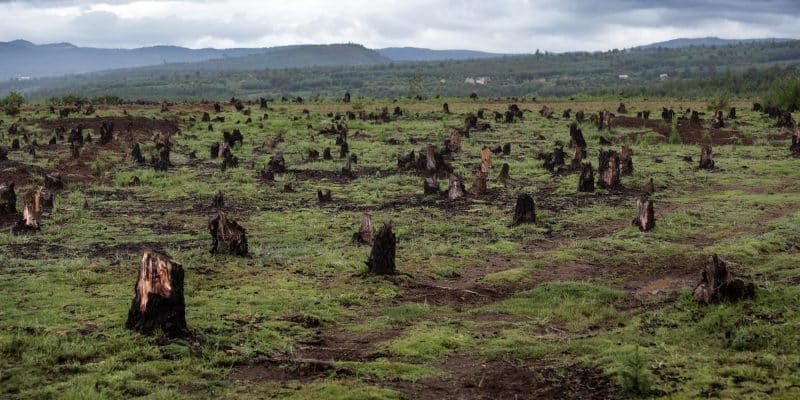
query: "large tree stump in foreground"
366, 232
719, 284
586, 179
645, 214
8, 199
524, 211
158, 297
706, 157
608, 169
381, 258
227, 236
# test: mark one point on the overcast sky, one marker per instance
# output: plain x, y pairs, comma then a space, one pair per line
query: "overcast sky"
510, 26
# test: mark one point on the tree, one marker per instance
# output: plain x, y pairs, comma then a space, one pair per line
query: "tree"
415, 83
12, 102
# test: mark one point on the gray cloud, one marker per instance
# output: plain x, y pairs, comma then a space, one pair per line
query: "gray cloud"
500, 26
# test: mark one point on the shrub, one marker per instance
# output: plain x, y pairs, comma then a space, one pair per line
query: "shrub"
785, 94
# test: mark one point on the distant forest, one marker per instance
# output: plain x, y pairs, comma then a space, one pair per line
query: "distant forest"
687, 72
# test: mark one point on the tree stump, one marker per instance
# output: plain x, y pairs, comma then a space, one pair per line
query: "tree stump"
313, 155
718, 121
580, 116
706, 158
346, 98
586, 179
732, 113
54, 181
344, 149
267, 174
608, 169
381, 258
504, 175
486, 160
446, 108
430, 185
228, 159
324, 196
136, 154
326, 154
621, 109
455, 141
524, 211
205, 117
626, 161
29, 222
162, 162
455, 188
795, 147
106, 132
277, 163
479, 184
158, 302
645, 214
507, 149
218, 202
366, 232
347, 170
227, 237
8, 199
719, 284
576, 136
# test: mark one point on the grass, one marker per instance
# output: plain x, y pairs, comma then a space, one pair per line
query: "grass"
557, 293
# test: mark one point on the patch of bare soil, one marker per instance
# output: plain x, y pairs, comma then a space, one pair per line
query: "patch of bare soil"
469, 379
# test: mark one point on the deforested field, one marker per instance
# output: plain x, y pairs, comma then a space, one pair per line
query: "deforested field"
443, 248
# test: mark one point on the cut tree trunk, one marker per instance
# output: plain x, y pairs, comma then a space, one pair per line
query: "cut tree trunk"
381, 258
455, 141
29, 221
706, 157
227, 237
719, 284
576, 136
718, 121
365, 234
645, 214
608, 169
486, 160
626, 161
158, 302
504, 176
578, 154
455, 189
586, 180
524, 211
479, 185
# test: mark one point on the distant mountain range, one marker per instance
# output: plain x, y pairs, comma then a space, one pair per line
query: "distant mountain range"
20, 59
707, 41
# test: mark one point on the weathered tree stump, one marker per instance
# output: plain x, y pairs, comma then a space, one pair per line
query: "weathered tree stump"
106, 132
555, 159
8, 199
227, 236
576, 136
626, 161
3, 154
706, 158
645, 214
29, 222
228, 159
608, 169
621, 109
580, 116
381, 258
454, 145
365, 233
455, 188
732, 113
347, 170
277, 163
507, 149
446, 108
313, 155
586, 179
158, 302
324, 196
346, 98
218, 202
720, 284
479, 184
206, 117
486, 160
161, 163
524, 211
344, 149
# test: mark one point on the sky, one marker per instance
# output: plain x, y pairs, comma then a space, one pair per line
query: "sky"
503, 26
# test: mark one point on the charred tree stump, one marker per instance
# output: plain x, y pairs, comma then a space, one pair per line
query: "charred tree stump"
524, 211
277, 163
53, 182
8, 199
136, 154
586, 179
706, 158
578, 154
326, 154
446, 108
158, 302
214, 150
228, 159
576, 136
732, 113
621, 109
455, 188
106, 133
580, 116
455, 142
645, 214
161, 163
29, 222
227, 236
608, 169
507, 149
344, 149
206, 117
366, 232
720, 284
218, 202
504, 176
324, 196
718, 121
430, 185
381, 258
346, 98
313, 155
626, 161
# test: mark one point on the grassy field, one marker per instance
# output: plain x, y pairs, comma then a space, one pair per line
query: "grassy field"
579, 305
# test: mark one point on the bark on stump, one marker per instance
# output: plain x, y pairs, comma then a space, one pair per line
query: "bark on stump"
227, 237
586, 179
381, 258
524, 211
479, 184
455, 189
366, 232
608, 169
486, 160
706, 157
626, 161
719, 284
645, 214
158, 302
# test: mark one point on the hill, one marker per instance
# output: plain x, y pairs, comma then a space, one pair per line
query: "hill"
421, 54
707, 41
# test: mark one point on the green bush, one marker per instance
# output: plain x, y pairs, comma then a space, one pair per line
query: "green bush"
12, 102
722, 101
785, 94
